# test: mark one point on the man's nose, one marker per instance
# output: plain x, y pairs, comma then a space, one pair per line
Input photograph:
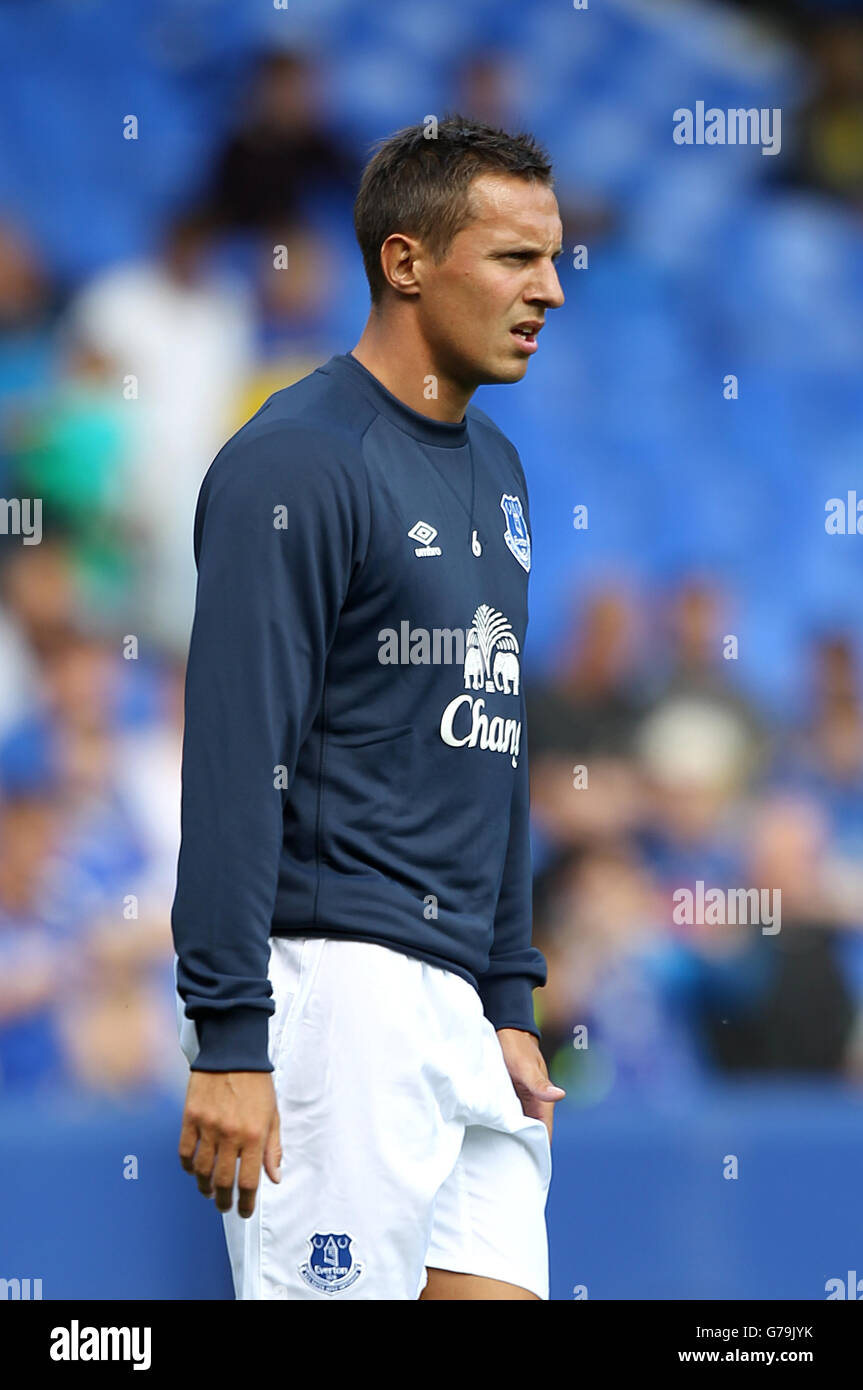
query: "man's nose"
557, 296
548, 291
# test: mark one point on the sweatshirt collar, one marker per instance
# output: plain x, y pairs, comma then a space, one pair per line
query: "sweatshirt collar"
441, 433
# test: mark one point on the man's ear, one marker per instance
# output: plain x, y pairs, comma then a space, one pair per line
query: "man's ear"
401, 262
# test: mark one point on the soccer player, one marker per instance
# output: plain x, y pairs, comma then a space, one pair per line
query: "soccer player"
352, 919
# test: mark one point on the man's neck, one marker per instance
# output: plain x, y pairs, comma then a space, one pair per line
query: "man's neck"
402, 364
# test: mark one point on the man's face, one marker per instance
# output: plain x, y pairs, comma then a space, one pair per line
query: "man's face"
498, 273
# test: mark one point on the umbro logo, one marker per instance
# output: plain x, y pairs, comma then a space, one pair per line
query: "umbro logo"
425, 534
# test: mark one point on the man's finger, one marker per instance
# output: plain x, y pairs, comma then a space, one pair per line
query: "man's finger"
188, 1144
224, 1170
273, 1151
204, 1162
538, 1090
249, 1177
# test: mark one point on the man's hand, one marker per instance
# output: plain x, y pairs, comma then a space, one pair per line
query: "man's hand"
231, 1115
526, 1066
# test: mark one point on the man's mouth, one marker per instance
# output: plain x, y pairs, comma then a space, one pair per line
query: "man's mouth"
526, 334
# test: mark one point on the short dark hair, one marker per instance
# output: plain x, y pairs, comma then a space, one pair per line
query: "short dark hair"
419, 184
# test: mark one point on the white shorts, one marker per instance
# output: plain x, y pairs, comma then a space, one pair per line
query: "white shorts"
404, 1143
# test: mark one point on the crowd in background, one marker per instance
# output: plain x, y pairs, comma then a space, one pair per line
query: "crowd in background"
651, 774
651, 768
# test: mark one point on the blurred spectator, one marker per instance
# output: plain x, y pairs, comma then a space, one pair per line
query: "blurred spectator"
89, 903
691, 658
490, 86
613, 1016
632, 1004
581, 723
487, 88
292, 304
72, 452
38, 598
829, 143
694, 761
39, 591
29, 305
34, 962
281, 151
802, 1013
178, 338
591, 700
824, 758
148, 758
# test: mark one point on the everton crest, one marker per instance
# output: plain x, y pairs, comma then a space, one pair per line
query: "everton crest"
516, 533
330, 1267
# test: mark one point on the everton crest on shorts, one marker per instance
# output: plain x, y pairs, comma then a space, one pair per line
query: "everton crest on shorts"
330, 1267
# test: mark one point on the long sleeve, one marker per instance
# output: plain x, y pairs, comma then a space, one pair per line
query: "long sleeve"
275, 544
516, 967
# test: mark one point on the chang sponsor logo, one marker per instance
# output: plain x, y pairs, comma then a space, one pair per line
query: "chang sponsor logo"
491, 664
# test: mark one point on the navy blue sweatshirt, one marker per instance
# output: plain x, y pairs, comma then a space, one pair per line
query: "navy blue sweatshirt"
355, 751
